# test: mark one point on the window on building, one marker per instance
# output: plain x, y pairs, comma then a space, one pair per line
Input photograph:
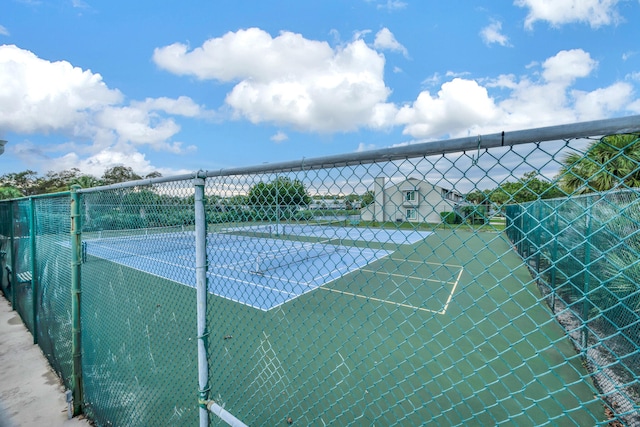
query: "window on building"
411, 214
410, 196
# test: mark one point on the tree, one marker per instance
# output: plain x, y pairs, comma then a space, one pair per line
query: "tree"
25, 182
526, 189
9, 193
118, 174
367, 198
352, 201
280, 198
478, 197
54, 182
154, 174
611, 162
86, 181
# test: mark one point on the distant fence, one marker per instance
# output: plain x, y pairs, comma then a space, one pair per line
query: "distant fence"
236, 297
585, 254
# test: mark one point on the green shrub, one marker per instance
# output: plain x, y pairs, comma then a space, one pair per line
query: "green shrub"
450, 218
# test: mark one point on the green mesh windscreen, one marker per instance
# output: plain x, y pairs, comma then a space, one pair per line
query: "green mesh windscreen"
138, 316
585, 254
53, 275
6, 233
22, 279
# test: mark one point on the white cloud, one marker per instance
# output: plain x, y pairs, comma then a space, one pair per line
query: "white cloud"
385, 40
634, 107
3, 31
601, 102
40, 96
80, 4
568, 65
365, 147
309, 86
457, 74
492, 33
432, 80
287, 80
390, 5
464, 107
182, 106
558, 12
279, 137
458, 105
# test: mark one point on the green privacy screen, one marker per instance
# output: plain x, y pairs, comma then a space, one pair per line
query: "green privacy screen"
479, 281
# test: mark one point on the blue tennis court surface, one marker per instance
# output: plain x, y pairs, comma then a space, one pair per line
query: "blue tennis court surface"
379, 235
259, 272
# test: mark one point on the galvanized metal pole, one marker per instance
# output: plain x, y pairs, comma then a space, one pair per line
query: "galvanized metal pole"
201, 296
76, 330
34, 275
585, 289
14, 255
554, 258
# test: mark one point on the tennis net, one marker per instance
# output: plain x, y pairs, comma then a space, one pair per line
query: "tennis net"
272, 260
138, 242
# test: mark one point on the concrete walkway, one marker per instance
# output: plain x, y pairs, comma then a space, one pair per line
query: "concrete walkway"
30, 392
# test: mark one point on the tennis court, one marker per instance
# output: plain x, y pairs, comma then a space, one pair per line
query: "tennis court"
370, 235
425, 320
259, 272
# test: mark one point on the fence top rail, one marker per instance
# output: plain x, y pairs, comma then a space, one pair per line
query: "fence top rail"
37, 196
627, 124
141, 182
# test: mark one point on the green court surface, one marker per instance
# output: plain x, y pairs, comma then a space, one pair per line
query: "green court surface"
454, 335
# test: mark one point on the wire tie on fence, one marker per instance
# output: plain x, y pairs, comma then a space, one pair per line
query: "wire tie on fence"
474, 160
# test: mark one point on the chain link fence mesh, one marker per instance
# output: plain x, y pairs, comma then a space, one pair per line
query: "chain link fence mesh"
53, 275
584, 252
138, 322
347, 293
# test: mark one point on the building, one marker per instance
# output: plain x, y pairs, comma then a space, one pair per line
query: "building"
411, 200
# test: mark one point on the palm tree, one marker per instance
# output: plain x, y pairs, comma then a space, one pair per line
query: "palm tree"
86, 181
611, 162
9, 193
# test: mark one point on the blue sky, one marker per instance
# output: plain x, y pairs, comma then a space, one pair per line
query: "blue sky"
176, 87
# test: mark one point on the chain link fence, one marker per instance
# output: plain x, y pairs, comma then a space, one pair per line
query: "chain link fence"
585, 254
364, 289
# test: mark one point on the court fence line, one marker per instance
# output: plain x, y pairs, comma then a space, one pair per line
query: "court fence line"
452, 283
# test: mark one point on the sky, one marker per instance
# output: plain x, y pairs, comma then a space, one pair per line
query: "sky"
176, 87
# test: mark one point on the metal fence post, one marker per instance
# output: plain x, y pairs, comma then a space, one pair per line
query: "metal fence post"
12, 249
201, 291
34, 275
76, 331
554, 258
585, 289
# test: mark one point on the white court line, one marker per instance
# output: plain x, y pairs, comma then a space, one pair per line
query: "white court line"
422, 279
444, 310
424, 262
398, 304
246, 282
